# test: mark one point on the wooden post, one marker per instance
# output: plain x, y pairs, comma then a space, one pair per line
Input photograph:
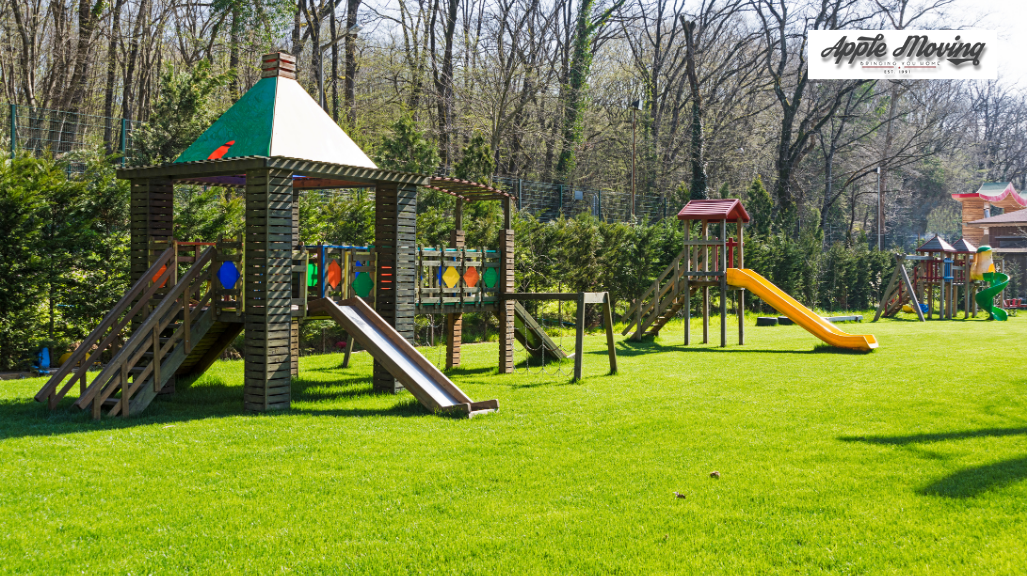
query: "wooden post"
899, 259
579, 336
125, 396
723, 283
155, 337
396, 272
349, 351
741, 291
152, 224
294, 327
688, 289
152, 221
967, 285
268, 288
455, 322
506, 286
705, 289
611, 348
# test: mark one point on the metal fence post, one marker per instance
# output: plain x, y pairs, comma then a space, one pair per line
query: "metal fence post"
520, 194
124, 139
14, 130
561, 198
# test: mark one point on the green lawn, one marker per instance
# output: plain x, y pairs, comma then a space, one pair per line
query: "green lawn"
908, 460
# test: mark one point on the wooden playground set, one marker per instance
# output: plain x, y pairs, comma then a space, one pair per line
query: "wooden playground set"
710, 261
937, 279
189, 301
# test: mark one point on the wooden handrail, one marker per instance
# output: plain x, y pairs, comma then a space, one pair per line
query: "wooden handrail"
109, 320
655, 284
115, 332
160, 318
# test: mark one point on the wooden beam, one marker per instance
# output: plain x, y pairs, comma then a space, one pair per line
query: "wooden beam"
611, 348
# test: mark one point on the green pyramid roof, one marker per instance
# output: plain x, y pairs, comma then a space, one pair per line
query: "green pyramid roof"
276, 117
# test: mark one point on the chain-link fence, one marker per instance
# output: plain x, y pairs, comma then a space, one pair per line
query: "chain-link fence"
41, 130
548, 201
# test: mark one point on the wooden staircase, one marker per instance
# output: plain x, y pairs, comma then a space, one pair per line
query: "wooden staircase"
660, 303
151, 337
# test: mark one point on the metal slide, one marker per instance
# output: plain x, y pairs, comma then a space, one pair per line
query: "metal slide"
426, 382
799, 314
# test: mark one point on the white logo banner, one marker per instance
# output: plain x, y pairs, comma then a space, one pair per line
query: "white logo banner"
902, 54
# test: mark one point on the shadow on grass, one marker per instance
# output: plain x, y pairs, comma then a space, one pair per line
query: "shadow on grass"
937, 436
973, 481
968, 482
630, 348
213, 399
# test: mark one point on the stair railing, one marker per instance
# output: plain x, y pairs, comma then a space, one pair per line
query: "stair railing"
653, 302
178, 304
110, 330
633, 310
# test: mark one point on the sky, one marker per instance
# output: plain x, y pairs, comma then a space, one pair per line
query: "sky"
1002, 16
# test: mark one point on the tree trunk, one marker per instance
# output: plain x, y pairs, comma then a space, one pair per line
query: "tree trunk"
233, 54
698, 190
351, 65
334, 32
133, 55
112, 69
444, 86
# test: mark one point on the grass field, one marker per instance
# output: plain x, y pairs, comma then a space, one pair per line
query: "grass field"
908, 460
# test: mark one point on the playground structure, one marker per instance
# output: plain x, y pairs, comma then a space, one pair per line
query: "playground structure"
933, 285
709, 261
939, 273
189, 301
984, 270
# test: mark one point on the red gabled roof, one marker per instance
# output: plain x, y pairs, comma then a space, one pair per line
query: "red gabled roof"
994, 192
729, 209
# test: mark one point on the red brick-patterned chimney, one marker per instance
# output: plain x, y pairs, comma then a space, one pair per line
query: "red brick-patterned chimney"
278, 64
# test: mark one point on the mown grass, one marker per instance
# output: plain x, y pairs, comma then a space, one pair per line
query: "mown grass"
908, 460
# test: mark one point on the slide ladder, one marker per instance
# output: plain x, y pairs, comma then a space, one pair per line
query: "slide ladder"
176, 334
426, 382
660, 303
986, 298
798, 313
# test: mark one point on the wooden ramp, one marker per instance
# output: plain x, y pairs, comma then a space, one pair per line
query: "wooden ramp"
426, 382
533, 336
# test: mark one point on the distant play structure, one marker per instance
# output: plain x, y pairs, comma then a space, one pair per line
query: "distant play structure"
984, 270
189, 300
709, 261
934, 281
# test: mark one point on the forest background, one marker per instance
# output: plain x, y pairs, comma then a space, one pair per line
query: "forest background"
706, 98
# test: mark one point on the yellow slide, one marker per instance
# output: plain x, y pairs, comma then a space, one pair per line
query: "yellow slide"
799, 314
